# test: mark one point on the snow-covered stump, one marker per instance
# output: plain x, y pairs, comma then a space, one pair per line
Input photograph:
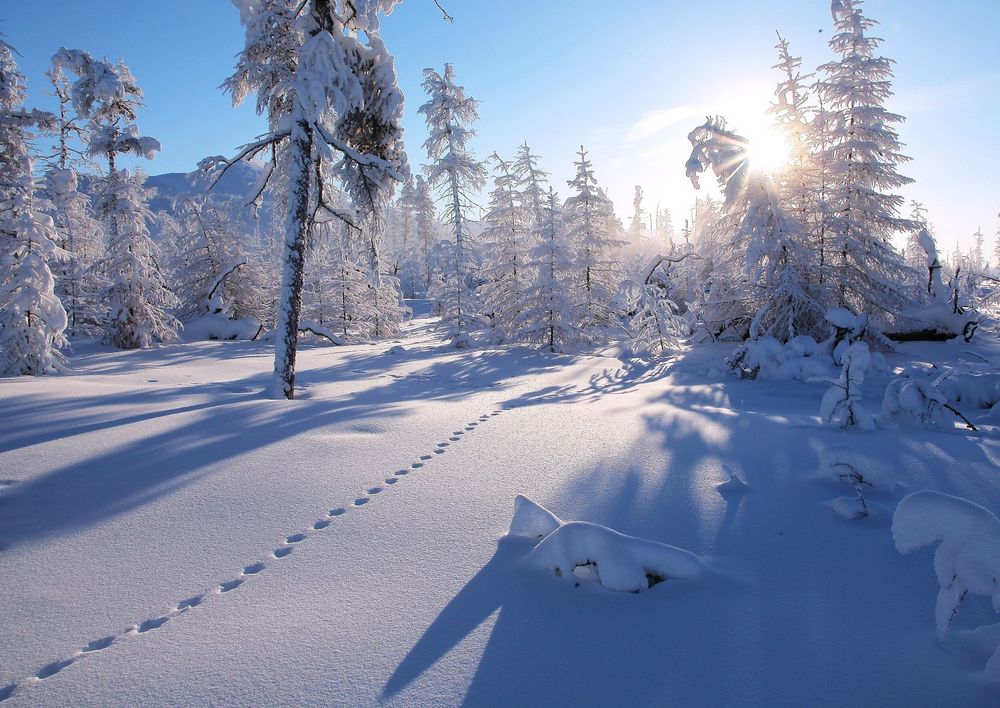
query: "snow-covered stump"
581, 550
967, 558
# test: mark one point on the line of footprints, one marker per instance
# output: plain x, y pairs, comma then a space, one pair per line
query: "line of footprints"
249, 571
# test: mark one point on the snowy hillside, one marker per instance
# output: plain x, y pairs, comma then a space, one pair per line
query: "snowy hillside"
171, 536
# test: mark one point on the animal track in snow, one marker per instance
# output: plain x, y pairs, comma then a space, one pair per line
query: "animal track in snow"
98, 644
52, 669
195, 600
227, 586
151, 624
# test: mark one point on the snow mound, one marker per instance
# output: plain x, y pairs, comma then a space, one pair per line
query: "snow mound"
584, 550
532, 520
217, 326
967, 558
396, 349
802, 358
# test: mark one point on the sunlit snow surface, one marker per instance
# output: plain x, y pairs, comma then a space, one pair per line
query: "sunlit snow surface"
170, 536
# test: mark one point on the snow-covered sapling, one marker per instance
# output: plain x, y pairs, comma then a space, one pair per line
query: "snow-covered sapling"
967, 558
841, 405
916, 396
847, 465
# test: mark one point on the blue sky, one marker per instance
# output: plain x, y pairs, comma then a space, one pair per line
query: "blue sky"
627, 83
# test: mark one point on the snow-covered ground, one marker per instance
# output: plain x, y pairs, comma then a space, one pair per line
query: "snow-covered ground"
168, 535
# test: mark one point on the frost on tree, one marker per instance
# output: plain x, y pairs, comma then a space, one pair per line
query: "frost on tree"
760, 282
593, 232
138, 300
549, 317
868, 275
328, 86
458, 175
32, 319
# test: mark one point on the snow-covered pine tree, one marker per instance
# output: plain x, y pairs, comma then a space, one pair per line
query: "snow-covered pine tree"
657, 328
32, 319
549, 316
426, 225
458, 175
593, 233
914, 254
323, 76
868, 275
531, 185
78, 284
637, 224
108, 97
506, 242
760, 287
406, 267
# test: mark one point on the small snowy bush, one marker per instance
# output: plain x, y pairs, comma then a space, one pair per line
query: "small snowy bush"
916, 396
845, 464
800, 359
584, 550
841, 405
967, 558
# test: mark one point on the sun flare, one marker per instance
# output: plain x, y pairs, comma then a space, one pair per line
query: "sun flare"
768, 150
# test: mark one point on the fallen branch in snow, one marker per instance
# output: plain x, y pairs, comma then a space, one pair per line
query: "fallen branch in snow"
320, 331
616, 561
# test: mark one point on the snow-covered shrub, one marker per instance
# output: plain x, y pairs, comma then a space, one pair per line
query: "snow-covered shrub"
845, 464
800, 359
841, 405
916, 396
967, 558
848, 327
583, 550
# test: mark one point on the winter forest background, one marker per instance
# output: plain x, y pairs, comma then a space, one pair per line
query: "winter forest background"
708, 204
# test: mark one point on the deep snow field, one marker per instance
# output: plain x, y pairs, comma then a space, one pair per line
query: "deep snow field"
170, 536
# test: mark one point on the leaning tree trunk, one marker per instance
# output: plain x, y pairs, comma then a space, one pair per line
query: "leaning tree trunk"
293, 262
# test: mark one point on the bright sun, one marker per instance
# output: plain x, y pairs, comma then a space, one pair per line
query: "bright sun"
768, 150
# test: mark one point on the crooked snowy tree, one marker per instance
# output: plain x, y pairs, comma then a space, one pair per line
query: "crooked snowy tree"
32, 319
761, 288
328, 86
107, 96
458, 175
862, 157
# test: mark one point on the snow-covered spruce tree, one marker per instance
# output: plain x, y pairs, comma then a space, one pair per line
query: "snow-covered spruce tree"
427, 226
548, 317
78, 284
637, 224
138, 299
407, 251
328, 86
914, 253
457, 175
760, 287
32, 319
868, 275
531, 185
506, 244
592, 231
